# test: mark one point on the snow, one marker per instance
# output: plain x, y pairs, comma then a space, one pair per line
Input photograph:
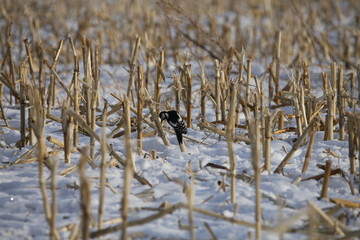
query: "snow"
22, 212
21, 204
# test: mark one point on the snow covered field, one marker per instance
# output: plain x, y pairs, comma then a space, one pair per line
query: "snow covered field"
290, 202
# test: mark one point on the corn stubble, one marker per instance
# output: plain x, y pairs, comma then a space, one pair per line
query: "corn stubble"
228, 47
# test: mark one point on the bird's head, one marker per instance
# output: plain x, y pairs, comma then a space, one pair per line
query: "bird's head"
163, 115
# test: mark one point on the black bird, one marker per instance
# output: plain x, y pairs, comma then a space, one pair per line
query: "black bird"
175, 120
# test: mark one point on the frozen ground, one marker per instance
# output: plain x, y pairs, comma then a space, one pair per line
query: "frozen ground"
21, 208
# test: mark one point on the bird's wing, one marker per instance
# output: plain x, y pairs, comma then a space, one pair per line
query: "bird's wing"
173, 124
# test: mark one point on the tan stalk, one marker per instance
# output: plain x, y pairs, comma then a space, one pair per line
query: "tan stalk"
75, 84
52, 87
177, 92
306, 76
208, 126
333, 77
224, 94
210, 231
30, 60
298, 117
140, 101
230, 132
138, 222
140, 179
357, 43
304, 116
62, 84
296, 146
281, 120
94, 98
334, 84
37, 122
285, 225
155, 118
132, 69
22, 106
170, 210
267, 145
263, 111
309, 150
159, 77
246, 111
9, 45
85, 197
88, 79
352, 89
277, 64
330, 100
3, 114
271, 80
188, 95
341, 103
326, 181
153, 154
217, 91
330, 116
324, 78
256, 105
326, 90
352, 142
358, 80
248, 78
255, 155
148, 58
190, 193
326, 219
113, 110
358, 139
76, 99
310, 105
129, 169
55, 141
102, 171
53, 231
67, 128
203, 94
240, 84
83, 124
313, 226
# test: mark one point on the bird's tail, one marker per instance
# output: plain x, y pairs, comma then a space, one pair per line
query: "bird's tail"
179, 137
